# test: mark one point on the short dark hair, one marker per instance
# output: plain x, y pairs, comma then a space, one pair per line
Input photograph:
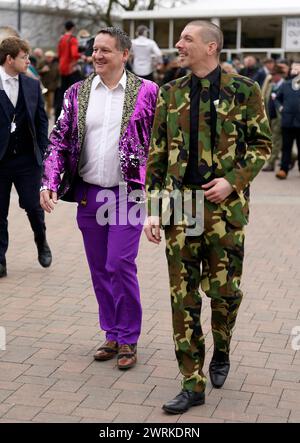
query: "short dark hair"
123, 40
277, 70
12, 46
268, 60
283, 61
69, 25
212, 33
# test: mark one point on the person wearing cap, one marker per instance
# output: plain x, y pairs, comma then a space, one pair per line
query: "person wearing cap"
50, 77
145, 54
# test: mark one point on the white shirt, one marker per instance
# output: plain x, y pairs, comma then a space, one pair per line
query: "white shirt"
100, 161
144, 51
6, 83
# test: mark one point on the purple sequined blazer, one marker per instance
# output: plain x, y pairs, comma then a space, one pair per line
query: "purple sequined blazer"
67, 136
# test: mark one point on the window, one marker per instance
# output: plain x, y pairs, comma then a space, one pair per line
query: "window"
178, 28
261, 32
161, 33
229, 28
126, 26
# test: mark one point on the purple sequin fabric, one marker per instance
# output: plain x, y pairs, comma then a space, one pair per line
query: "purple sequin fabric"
67, 136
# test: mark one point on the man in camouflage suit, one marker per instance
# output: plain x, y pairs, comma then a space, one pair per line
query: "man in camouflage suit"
233, 141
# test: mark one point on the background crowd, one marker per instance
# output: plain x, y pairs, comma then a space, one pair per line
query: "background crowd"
279, 80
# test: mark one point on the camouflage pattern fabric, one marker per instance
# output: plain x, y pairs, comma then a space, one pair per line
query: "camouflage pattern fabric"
220, 251
276, 140
242, 145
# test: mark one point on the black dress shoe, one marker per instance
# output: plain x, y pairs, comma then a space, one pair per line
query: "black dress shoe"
219, 369
44, 253
183, 401
3, 270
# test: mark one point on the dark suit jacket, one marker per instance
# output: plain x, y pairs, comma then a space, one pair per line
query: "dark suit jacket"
37, 118
260, 76
289, 99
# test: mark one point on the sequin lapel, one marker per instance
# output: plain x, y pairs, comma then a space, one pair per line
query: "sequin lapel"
133, 85
83, 101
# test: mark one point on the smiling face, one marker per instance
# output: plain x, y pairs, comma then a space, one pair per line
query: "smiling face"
193, 51
107, 58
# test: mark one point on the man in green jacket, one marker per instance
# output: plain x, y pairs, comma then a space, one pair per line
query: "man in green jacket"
210, 139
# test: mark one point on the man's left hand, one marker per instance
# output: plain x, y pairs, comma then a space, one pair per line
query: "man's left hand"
217, 190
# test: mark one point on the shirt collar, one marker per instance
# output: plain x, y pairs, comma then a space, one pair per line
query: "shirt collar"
98, 81
213, 76
5, 76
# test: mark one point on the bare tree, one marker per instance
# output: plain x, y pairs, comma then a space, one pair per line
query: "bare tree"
105, 10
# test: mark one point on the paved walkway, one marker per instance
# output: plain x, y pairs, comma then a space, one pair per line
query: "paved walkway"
47, 373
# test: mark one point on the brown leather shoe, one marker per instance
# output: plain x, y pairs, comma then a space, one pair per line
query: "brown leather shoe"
107, 351
281, 174
127, 356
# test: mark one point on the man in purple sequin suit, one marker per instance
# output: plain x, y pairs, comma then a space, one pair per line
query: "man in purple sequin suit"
100, 144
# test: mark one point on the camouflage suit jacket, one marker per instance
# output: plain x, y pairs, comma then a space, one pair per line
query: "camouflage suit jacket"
242, 145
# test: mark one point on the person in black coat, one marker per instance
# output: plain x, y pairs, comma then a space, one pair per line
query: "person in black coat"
288, 104
268, 66
23, 141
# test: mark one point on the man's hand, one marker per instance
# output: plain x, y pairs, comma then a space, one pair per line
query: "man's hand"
48, 199
217, 190
152, 230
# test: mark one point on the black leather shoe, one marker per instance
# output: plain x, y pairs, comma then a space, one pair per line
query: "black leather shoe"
3, 270
44, 253
219, 369
183, 401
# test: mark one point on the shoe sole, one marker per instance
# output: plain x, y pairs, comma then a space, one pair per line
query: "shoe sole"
171, 411
217, 386
109, 357
131, 365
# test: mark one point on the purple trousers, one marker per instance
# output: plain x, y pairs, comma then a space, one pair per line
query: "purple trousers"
111, 250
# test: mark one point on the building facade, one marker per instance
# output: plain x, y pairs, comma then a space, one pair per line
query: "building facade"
262, 28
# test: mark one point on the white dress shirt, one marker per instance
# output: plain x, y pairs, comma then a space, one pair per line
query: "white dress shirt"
10, 85
145, 51
100, 161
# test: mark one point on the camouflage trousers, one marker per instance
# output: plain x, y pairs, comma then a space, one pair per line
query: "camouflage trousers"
276, 140
213, 260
